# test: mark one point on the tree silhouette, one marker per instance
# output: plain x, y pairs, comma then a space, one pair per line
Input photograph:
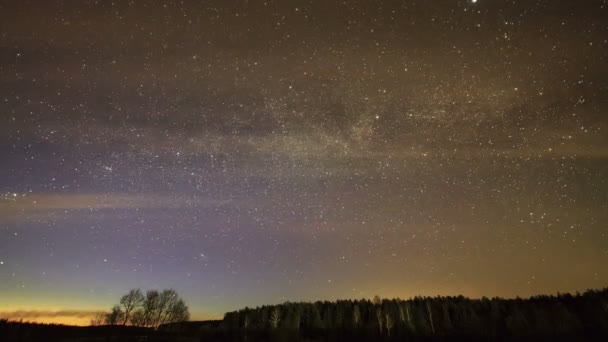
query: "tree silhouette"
130, 302
115, 316
149, 308
98, 319
152, 310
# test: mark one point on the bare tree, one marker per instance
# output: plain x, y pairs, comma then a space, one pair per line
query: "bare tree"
162, 304
153, 310
98, 319
389, 323
130, 302
115, 316
138, 319
428, 309
169, 308
356, 315
275, 317
379, 317
177, 311
149, 308
408, 316
377, 300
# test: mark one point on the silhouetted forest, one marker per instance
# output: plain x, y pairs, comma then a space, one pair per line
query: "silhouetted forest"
563, 317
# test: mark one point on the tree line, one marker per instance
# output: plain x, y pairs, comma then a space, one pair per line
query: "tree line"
424, 317
151, 310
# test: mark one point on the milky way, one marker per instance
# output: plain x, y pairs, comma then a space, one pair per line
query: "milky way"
253, 152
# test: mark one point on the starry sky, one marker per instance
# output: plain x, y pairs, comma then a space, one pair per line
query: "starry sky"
253, 152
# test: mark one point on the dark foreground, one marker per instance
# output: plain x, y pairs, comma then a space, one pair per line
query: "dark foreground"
580, 317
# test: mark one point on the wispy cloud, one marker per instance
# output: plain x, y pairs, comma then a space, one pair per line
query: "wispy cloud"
13, 205
103, 201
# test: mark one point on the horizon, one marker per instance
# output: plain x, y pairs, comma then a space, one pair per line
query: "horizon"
251, 152
83, 318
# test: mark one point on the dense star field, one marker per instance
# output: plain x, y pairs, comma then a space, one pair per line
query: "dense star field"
253, 152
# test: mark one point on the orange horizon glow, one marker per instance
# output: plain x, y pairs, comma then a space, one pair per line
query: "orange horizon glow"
76, 318
81, 318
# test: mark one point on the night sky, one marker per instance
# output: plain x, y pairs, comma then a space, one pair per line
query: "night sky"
253, 152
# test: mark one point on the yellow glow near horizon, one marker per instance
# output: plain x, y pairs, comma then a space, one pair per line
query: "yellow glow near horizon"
66, 317
70, 317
